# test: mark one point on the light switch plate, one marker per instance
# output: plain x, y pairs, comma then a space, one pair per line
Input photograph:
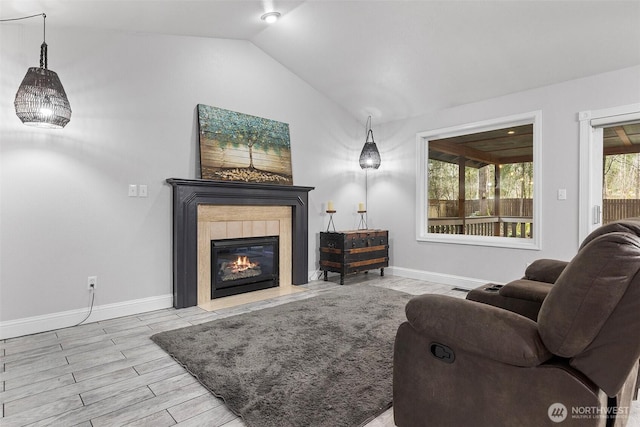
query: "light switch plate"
142, 190
562, 194
133, 190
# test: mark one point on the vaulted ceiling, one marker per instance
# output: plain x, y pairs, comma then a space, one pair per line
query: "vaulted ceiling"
390, 59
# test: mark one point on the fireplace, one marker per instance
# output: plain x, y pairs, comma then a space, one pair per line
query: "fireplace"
243, 265
191, 198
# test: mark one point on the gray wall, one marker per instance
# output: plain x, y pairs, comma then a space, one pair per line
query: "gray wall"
64, 208
393, 188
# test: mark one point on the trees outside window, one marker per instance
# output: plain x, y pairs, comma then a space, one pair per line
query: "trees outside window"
621, 186
620, 172
478, 181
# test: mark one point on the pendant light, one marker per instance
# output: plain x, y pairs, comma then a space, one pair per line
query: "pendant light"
41, 100
369, 157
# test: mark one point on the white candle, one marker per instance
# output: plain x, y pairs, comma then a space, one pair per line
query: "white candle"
330, 205
361, 206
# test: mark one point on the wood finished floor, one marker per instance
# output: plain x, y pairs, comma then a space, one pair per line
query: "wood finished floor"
111, 374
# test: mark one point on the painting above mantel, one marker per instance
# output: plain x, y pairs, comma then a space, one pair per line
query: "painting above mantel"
241, 147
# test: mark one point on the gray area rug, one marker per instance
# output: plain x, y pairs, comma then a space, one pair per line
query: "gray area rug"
323, 361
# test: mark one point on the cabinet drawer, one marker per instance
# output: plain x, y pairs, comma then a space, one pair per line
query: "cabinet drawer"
370, 264
367, 253
353, 239
366, 239
330, 240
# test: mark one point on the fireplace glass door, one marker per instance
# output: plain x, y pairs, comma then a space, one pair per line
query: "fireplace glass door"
243, 265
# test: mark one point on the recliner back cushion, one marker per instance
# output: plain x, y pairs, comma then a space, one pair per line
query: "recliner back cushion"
610, 357
587, 292
629, 225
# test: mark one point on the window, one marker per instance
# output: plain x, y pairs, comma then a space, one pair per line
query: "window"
476, 183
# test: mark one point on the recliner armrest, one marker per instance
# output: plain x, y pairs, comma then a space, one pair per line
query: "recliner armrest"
524, 289
545, 270
478, 328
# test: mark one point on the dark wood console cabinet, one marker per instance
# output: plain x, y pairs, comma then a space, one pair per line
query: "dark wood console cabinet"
347, 252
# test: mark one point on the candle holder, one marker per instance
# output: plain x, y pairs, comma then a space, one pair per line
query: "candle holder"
363, 221
331, 223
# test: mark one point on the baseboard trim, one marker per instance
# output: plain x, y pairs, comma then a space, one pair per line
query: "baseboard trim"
445, 279
427, 276
314, 275
65, 319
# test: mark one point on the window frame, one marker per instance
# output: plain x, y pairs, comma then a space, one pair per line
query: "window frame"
422, 149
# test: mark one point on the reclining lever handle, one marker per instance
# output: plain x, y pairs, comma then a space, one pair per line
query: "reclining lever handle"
442, 352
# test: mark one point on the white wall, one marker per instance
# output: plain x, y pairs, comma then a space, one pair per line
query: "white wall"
64, 210
392, 189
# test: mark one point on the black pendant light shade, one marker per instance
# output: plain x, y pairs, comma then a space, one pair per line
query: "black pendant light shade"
369, 157
41, 100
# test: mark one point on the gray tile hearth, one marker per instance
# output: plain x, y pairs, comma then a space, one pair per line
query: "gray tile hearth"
111, 374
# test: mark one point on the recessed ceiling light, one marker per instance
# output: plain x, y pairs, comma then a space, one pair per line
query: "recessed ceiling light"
270, 17
511, 132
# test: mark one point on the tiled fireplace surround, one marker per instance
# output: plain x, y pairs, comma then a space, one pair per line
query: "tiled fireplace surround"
205, 210
231, 222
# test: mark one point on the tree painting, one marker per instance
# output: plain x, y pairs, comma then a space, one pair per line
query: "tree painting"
241, 147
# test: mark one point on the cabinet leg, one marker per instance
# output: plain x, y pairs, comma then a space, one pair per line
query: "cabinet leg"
341, 279
325, 275
382, 272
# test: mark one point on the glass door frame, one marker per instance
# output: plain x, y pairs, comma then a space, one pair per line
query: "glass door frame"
591, 156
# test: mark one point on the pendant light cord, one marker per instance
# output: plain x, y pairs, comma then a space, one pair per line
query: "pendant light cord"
23, 17
43, 46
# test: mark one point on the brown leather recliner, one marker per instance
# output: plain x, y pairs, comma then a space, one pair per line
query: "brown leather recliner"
466, 363
525, 296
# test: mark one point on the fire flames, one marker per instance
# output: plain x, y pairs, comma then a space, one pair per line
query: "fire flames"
243, 263
241, 268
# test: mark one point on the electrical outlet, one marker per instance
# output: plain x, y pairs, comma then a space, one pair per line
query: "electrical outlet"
133, 190
92, 283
